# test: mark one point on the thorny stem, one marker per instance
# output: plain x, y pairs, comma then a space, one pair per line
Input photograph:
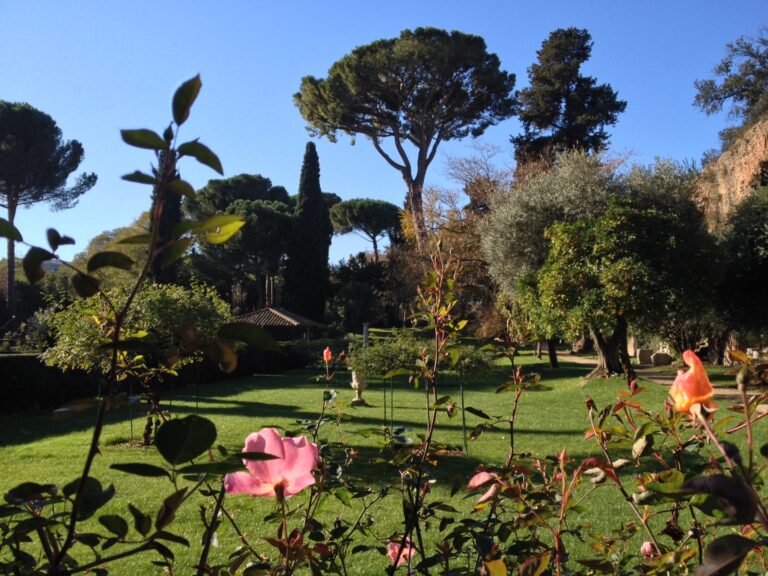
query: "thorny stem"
510, 457
748, 423
627, 497
202, 565
167, 171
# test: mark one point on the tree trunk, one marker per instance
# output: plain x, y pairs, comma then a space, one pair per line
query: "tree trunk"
612, 354
375, 249
10, 289
552, 351
608, 361
583, 345
620, 335
416, 208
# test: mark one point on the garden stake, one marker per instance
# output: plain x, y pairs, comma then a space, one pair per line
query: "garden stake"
463, 419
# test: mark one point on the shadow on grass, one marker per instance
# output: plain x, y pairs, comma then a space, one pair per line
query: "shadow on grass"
221, 399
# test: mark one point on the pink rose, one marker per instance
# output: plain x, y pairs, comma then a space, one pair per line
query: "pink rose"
288, 474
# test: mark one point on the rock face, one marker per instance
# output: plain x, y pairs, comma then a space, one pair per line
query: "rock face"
727, 181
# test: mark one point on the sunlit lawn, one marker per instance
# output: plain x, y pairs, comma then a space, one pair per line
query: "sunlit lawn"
33, 447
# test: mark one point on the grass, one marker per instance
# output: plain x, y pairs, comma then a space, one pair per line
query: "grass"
34, 447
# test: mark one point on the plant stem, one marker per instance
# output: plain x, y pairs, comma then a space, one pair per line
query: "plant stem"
202, 565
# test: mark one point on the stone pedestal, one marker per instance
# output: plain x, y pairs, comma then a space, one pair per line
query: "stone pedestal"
359, 383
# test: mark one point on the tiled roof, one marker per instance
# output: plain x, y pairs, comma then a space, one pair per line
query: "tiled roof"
278, 317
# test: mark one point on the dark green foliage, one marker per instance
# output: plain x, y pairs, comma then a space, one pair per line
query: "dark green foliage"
419, 89
243, 269
563, 109
741, 84
746, 255
34, 167
371, 218
306, 268
356, 286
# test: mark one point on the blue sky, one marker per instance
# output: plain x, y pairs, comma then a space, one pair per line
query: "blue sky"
97, 67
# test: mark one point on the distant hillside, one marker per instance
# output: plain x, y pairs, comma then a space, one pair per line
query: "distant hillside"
728, 180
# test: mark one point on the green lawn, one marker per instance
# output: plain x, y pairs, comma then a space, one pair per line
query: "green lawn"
33, 447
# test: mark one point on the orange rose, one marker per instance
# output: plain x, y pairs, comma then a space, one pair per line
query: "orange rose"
691, 387
327, 355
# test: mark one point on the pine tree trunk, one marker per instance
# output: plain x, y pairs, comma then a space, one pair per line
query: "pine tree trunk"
416, 208
10, 289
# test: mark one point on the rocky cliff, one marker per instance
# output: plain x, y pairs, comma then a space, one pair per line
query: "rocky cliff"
728, 180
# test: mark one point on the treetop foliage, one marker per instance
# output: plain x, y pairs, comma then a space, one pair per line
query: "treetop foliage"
741, 81
425, 86
563, 109
34, 161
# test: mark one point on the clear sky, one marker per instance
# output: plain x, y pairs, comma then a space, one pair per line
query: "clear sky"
97, 67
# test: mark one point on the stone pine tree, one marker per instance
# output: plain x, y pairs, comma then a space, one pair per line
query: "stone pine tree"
35, 165
407, 95
306, 269
563, 109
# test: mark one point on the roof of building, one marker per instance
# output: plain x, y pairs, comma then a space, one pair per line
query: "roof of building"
279, 317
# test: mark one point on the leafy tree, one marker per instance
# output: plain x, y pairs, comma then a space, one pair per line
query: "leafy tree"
356, 286
745, 244
218, 195
631, 265
563, 109
159, 311
243, 269
371, 218
741, 83
34, 167
420, 89
513, 234
306, 268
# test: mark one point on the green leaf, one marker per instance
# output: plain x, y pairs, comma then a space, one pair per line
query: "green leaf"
642, 446
182, 188
397, 372
344, 496
164, 551
254, 336
136, 239
202, 154
223, 233
174, 250
143, 138
115, 524
256, 456
139, 469
182, 439
29, 491
109, 259
212, 468
184, 98
139, 178
724, 555
8, 230
168, 510
33, 261
85, 285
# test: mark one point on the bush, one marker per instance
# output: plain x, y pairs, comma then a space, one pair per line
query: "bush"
157, 317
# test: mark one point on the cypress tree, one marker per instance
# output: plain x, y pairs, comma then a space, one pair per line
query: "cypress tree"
306, 269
